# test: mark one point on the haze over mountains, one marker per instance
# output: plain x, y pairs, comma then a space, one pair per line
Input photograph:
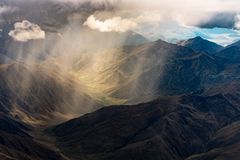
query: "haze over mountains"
184, 71
85, 81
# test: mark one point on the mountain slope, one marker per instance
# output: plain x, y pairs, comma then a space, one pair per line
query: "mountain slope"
16, 142
35, 95
231, 54
235, 44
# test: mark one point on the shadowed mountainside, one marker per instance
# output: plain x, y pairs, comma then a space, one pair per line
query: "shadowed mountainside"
167, 128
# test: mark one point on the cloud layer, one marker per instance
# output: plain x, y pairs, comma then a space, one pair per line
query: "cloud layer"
165, 19
25, 31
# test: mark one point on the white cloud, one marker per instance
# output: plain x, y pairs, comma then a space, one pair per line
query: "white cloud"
25, 31
115, 24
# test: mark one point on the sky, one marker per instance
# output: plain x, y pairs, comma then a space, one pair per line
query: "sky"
170, 20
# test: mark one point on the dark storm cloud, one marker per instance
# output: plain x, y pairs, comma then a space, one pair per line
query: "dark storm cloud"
220, 20
50, 12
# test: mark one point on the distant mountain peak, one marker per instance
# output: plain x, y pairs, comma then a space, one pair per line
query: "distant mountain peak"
199, 44
198, 38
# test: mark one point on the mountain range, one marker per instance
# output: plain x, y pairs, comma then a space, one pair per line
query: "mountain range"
181, 103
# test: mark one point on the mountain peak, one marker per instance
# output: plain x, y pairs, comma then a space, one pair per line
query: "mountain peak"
199, 44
